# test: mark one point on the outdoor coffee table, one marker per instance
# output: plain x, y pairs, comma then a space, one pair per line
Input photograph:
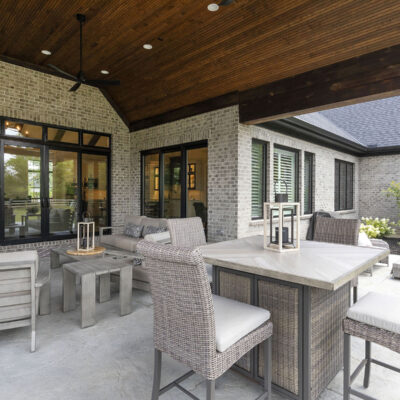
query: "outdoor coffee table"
87, 270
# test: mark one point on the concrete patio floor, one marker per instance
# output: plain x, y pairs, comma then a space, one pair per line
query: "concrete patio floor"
114, 358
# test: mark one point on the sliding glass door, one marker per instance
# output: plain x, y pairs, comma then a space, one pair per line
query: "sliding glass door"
175, 181
23, 191
63, 191
172, 184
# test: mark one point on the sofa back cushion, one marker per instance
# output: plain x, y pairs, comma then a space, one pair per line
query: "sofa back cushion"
133, 220
157, 222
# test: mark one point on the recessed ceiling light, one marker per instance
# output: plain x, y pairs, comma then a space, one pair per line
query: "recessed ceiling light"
104, 72
46, 52
213, 7
147, 46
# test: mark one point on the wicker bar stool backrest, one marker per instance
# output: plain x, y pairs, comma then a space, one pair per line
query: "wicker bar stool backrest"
187, 232
184, 323
332, 230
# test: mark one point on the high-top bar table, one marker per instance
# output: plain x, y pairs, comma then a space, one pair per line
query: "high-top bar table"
307, 293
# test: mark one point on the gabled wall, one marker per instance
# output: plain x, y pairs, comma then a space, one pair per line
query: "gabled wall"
39, 97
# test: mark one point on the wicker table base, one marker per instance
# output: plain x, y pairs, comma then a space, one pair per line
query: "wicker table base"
307, 339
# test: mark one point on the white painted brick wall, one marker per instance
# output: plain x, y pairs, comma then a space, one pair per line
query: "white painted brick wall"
220, 129
376, 174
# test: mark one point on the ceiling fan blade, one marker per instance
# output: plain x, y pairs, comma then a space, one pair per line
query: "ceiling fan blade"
75, 87
226, 2
101, 82
61, 71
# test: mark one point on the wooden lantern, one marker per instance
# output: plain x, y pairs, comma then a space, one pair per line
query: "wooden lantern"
86, 235
279, 236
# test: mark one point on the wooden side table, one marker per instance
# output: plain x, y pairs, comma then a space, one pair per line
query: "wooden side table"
87, 271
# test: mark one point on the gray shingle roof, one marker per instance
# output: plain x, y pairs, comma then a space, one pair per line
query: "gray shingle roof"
372, 124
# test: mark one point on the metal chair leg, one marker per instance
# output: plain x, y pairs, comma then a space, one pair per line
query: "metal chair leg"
367, 369
157, 374
268, 366
355, 294
210, 389
346, 369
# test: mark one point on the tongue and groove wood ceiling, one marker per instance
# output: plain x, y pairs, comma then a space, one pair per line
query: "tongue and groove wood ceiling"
197, 54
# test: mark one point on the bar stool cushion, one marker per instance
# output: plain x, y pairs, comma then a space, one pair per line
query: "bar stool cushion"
379, 310
234, 320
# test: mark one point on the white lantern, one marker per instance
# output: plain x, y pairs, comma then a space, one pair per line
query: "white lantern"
282, 226
86, 235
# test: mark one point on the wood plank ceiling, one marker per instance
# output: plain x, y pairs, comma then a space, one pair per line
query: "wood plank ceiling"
197, 55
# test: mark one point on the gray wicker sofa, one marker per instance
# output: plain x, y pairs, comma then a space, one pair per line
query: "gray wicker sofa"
119, 238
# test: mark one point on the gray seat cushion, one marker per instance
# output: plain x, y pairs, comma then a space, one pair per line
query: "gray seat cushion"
380, 310
234, 320
121, 241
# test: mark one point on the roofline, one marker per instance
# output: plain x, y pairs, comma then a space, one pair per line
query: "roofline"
299, 129
311, 133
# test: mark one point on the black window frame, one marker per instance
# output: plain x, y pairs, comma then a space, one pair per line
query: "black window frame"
264, 177
183, 148
310, 182
46, 146
348, 195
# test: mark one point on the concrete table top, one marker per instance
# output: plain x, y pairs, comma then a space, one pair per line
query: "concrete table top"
317, 264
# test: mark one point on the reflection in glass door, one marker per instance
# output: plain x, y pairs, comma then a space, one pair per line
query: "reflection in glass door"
94, 188
197, 178
63, 191
172, 184
151, 189
22, 191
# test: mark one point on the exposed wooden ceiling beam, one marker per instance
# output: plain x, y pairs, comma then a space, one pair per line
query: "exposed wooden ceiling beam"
368, 77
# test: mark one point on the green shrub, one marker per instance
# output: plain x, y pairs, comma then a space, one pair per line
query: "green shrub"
376, 227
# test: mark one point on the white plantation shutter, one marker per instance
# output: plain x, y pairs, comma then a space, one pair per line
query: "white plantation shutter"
285, 170
257, 174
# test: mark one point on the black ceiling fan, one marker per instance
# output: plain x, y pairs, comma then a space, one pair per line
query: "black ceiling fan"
81, 78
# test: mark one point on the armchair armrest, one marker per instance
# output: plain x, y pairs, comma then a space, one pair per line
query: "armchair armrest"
161, 237
379, 243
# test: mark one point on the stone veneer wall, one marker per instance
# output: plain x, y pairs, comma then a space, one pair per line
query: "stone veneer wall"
324, 175
376, 174
44, 98
220, 129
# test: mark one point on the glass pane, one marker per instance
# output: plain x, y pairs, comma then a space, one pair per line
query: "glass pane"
151, 193
172, 184
22, 211
197, 179
63, 191
20, 129
90, 139
285, 174
257, 173
94, 188
62, 135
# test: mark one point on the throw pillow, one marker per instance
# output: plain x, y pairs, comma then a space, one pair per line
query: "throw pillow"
133, 230
363, 240
149, 229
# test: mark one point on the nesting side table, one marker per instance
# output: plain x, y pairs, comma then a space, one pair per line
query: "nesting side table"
87, 270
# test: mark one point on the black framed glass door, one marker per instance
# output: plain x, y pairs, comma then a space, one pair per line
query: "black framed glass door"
175, 182
23, 191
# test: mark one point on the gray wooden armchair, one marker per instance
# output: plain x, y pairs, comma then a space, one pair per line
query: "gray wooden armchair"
18, 271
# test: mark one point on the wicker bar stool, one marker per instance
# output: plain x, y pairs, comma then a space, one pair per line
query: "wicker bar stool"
375, 318
188, 232
206, 333
342, 231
